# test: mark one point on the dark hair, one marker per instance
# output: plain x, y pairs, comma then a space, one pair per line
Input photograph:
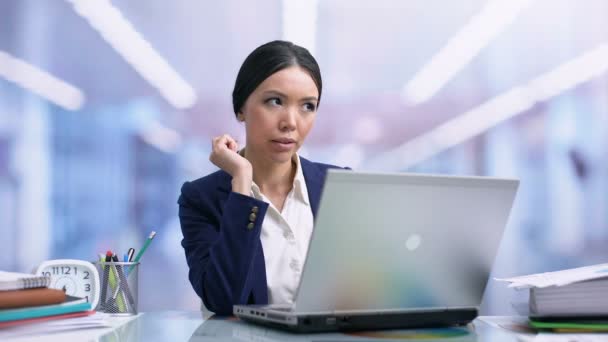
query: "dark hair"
267, 59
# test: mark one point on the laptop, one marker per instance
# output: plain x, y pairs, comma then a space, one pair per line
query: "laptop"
395, 251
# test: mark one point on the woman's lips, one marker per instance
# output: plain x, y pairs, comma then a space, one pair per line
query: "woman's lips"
284, 140
283, 145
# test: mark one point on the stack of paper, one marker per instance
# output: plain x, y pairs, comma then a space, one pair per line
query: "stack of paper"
97, 321
574, 292
588, 298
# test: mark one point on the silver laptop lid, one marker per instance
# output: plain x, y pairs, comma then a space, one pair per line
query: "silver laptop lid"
394, 241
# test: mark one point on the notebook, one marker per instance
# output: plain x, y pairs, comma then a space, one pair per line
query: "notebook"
18, 281
395, 251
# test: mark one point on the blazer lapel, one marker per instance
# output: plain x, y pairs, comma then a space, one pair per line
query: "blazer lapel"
313, 176
314, 183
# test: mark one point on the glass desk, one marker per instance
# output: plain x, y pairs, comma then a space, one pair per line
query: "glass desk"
190, 326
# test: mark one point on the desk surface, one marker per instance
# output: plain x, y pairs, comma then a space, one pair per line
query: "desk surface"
190, 326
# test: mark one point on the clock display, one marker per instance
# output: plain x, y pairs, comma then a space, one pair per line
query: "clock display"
76, 277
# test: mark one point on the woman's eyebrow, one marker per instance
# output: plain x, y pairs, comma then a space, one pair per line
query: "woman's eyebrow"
280, 94
274, 92
309, 98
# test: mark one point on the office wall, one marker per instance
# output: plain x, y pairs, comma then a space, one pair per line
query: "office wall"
75, 183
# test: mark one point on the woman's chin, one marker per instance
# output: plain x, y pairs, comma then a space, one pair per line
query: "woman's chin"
283, 157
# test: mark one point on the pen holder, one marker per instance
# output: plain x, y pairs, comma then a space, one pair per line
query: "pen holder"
118, 293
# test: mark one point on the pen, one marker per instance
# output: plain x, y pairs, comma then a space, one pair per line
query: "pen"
141, 251
130, 254
123, 282
125, 258
146, 244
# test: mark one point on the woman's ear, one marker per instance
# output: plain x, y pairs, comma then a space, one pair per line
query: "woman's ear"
240, 117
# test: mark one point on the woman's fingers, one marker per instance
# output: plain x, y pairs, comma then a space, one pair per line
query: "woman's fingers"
233, 145
224, 155
224, 140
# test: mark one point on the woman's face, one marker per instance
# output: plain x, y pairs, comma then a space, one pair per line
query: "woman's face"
279, 113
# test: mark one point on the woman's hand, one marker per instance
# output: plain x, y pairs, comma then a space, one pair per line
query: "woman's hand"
224, 155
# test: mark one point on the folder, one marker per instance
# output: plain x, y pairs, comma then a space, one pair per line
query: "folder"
571, 326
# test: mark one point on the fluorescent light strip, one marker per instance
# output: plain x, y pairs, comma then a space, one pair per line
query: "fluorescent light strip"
165, 139
40, 82
461, 49
496, 110
299, 22
130, 44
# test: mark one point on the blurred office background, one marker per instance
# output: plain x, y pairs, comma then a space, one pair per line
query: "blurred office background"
106, 108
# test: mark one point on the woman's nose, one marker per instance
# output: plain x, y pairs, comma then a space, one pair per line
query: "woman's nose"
288, 121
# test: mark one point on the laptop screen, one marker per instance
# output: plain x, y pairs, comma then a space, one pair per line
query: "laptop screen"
395, 241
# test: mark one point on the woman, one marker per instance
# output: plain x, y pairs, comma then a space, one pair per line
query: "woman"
247, 226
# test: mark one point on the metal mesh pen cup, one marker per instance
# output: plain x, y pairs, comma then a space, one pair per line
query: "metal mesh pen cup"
118, 293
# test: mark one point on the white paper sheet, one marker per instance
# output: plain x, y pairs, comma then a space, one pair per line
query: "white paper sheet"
558, 278
36, 329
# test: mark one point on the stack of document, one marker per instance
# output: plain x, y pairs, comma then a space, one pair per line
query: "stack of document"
577, 292
96, 323
26, 299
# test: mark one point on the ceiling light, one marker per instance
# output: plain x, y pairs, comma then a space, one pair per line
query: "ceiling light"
131, 45
40, 82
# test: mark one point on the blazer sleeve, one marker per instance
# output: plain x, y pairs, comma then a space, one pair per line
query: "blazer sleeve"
220, 245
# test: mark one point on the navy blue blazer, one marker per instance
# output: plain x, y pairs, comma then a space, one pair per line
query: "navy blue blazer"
222, 243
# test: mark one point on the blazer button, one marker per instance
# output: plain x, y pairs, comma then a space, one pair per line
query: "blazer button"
252, 217
254, 209
250, 225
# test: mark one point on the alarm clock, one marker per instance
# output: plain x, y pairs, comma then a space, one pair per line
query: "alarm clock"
77, 278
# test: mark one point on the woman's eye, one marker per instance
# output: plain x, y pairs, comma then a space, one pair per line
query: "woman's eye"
274, 101
310, 107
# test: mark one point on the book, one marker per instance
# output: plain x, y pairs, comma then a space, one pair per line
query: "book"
30, 297
72, 304
18, 281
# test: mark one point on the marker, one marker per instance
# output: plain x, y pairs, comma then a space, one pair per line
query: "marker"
106, 276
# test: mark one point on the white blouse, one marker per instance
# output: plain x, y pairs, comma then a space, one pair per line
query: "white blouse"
285, 237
